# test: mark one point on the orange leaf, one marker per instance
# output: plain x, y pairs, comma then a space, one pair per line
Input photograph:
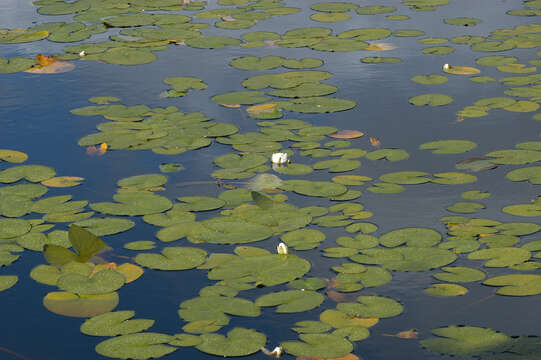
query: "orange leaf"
408, 334
261, 109
347, 134
44, 60
50, 65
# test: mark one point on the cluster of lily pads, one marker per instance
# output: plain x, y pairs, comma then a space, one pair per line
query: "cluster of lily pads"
260, 210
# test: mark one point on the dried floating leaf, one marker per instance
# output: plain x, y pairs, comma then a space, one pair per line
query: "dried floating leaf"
346, 134
374, 141
380, 47
63, 181
50, 65
407, 334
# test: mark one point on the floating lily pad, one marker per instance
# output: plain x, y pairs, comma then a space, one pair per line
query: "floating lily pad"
453, 178
320, 345
314, 188
514, 157
460, 274
239, 342
381, 60
462, 21
449, 146
133, 204
388, 154
372, 307
81, 306
375, 9
414, 237
496, 60
136, 346
291, 301
438, 50
106, 226
104, 281
173, 258
501, 257
516, 284
140, 245
199, 203
466, 340
114, 323
531, 174
463, 207
32, 173
303, 239
431, 79
475, 195
330, 17
405, 177
431, 100
240, 98
12, 156
7, 281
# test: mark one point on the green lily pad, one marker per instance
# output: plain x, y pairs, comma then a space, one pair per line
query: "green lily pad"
212, 42
333, 6
475, 195
314, 188
527, 210
268, 270
215, 308
330, 17
449, 146
385, 188
466, 340
133, 204
388, 154
446, 290
320, 345
501, 257
106, 226
438, 50
303, 239
460, 274
514, 157
431, 79
311, 327
136, 346
316, 105
375, 9
15, 64
228, 230
482, 79
337, 165
199, 203
453, 178
430, 100
140, 245
181, 85
406, 258
305, 90
127, 56
32, 173
115, 323
414, 237
408, 33
240, 98
239, 342
462, 21
173, 258
372, 307
291, 301
516, 284
405, 177
496, 60
463, 207
381, 60
256, 63
104, 281
8, 281
432, 41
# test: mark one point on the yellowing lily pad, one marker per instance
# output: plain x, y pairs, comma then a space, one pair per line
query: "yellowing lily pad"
461, 70
81, 306
63, 181
12, 156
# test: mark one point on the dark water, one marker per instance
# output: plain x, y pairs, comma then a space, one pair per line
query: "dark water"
35, 117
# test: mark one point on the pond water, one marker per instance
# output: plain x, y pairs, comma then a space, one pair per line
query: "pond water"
37, 117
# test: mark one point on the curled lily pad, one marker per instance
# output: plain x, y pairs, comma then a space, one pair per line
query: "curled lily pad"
291, 301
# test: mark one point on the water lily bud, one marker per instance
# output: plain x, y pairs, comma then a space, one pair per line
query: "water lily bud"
279, 158
446, 67
282, 249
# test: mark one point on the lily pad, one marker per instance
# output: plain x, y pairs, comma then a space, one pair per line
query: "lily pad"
430, 100
501, 257
414, 237
238, 342
104, 281
81, 306
449, 146
291, 301
516, 284
372, 307
7, 281
460, 274
173, 258
136, 346
320, 345
114, 323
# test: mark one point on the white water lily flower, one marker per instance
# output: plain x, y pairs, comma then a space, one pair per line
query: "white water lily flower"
279, 158
282, 249
82, 53
446, 67
277, 352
